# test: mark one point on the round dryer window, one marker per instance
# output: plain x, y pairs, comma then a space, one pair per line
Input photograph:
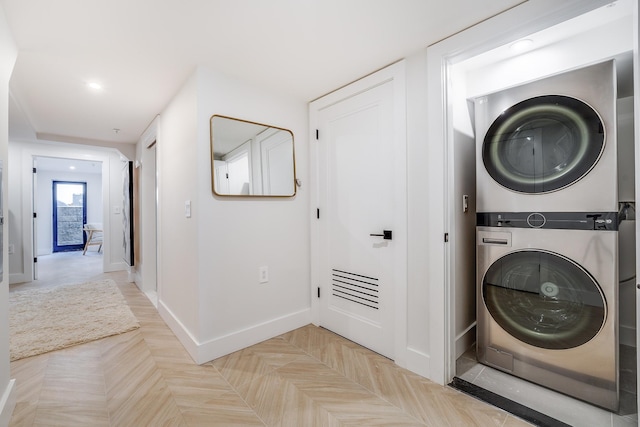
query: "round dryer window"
543, 144
544, 299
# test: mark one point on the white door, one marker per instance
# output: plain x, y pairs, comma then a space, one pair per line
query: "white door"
361, 163
221, 178
239, 170
277, 168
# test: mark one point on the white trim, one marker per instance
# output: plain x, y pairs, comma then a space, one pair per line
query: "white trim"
19, 278
187, 340
153, 297
418, 362
150, 134
221, 346
519, 21
8, 402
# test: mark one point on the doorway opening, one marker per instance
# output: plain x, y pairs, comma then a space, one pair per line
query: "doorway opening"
69, 215
485, 76
67, 194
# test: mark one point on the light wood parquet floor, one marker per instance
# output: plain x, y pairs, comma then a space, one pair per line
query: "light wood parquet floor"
307, 377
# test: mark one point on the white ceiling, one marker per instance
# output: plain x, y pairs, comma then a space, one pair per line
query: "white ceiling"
53, 164
142, 51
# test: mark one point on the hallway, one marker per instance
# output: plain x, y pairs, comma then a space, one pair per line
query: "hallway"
307, 377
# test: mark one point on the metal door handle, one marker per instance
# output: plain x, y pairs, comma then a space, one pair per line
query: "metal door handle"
495, 241
386, 235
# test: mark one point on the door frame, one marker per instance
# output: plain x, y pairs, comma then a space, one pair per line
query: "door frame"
519, 21
54, 210
396, 74
147, 276
25, 178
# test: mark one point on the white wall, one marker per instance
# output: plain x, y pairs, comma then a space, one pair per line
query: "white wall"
44, 203
179, 255
209, 291
20, 179
8, 55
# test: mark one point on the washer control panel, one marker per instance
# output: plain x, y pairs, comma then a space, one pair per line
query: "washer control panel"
605, 221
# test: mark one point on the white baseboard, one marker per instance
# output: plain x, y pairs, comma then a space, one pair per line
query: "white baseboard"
116, 266
221, 346
18, 278
627, 335
8, 403
235, 341
153, 297
179, 330
418, 362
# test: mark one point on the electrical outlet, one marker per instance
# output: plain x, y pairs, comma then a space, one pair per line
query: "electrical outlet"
263, 274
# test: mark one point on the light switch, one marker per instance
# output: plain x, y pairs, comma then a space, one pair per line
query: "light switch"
116, 210
187, 209
263, 274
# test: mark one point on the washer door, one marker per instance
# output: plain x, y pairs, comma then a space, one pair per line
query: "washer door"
543, 144
544, 299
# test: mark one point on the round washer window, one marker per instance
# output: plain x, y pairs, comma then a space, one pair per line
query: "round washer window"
544, 299
543, 144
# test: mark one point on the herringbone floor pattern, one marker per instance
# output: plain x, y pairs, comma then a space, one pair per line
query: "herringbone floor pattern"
307, 377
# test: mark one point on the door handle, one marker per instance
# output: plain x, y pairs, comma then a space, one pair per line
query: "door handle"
495, 241
386, 235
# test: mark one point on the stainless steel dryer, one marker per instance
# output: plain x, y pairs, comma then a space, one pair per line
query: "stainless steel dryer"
549, 145
548, 300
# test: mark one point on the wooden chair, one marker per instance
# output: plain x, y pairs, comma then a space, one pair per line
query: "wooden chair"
94, 236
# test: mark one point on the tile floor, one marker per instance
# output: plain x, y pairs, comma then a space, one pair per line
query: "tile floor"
553, 404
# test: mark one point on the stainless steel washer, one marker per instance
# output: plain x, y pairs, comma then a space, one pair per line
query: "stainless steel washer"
550, 144
548, 302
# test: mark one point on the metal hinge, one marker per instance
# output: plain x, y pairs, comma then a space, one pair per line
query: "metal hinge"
318, 291
318, 213
446, 237
35, 260
317, 134
35, 215
34, 170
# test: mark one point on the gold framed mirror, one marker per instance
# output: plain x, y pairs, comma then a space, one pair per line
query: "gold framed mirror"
251, 159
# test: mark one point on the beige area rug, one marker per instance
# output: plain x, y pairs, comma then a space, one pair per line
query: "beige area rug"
42, 320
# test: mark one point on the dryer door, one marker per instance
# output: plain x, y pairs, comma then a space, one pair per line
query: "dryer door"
543, 144
544, 299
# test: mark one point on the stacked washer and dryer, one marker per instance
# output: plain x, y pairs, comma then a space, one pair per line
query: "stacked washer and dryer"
547, 239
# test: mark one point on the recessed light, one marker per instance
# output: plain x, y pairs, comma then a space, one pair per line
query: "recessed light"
72, 167
521, 45
94, 85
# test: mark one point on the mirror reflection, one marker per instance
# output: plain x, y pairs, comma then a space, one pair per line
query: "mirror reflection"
251, 159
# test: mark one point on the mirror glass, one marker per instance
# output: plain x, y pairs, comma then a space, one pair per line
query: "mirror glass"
251, 159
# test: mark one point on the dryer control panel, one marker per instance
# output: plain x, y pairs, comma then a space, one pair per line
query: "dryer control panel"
605, 221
